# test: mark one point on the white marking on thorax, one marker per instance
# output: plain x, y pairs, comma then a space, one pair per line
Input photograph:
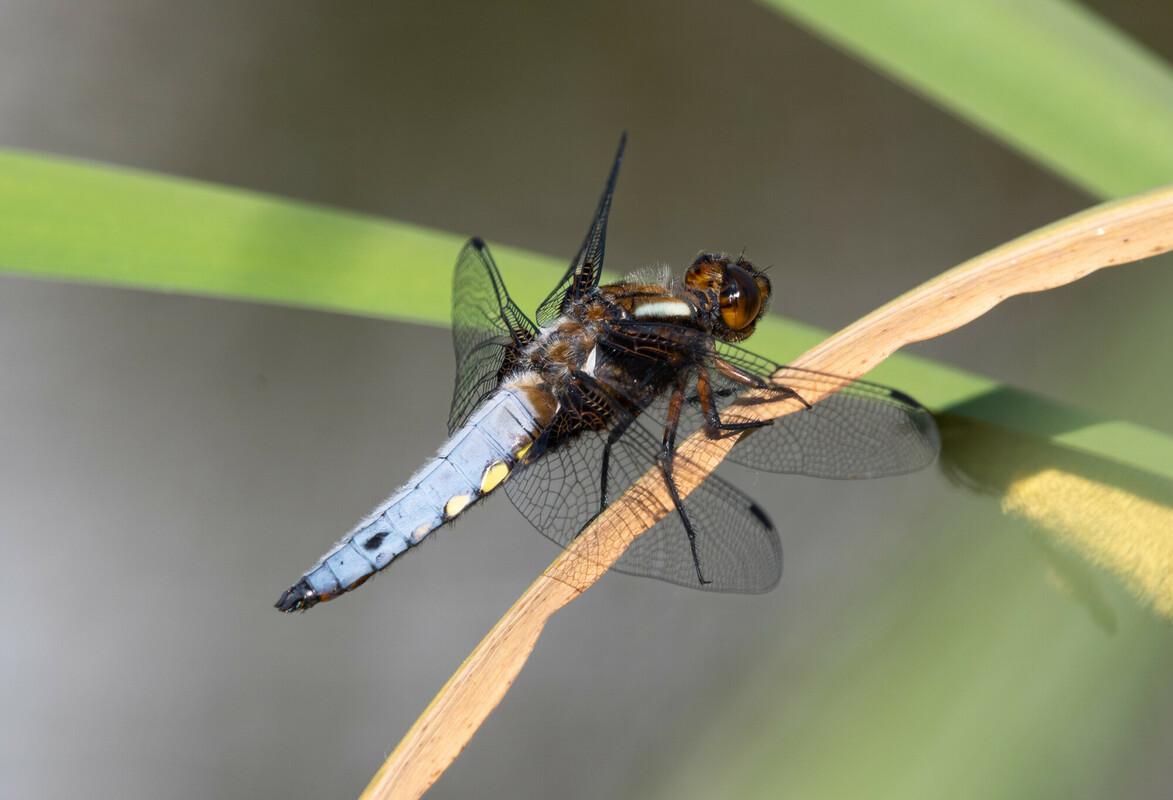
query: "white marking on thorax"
664, 308
589, 366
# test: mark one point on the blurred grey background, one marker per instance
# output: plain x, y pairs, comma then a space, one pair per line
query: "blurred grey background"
170, 464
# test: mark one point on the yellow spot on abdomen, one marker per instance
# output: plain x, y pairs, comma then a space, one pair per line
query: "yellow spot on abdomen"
521, 453
457, 504
1111, 527
496, 472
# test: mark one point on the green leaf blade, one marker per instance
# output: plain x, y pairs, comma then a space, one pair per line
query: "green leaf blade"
1048, 77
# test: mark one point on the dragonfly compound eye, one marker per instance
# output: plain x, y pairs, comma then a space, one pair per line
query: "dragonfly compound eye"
741, 298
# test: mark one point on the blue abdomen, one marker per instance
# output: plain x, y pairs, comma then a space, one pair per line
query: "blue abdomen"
473, 462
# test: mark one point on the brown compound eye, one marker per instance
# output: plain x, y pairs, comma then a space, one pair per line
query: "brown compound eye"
741, 299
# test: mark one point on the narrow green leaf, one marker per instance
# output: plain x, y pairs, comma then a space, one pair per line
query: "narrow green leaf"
94, 223
1048, 77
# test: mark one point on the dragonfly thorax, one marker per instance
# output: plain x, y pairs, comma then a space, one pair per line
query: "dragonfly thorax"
563, 349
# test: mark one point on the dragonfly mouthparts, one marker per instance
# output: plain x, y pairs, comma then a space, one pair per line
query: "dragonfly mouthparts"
298, 597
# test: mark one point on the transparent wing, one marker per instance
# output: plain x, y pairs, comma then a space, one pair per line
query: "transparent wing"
586, 268
863, 430
488, 330
560, 492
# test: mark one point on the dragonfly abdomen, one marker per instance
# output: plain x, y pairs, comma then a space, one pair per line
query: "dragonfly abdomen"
474, 461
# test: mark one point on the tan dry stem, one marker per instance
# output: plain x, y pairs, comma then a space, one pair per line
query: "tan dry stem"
1115, 233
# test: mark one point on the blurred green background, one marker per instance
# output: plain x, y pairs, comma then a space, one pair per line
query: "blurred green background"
171, 463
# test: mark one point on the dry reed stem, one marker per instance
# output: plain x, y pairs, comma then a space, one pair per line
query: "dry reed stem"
1114, 233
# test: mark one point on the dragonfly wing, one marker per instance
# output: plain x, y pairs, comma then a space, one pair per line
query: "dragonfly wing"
860, 430
737, 545
488, 330
587, 267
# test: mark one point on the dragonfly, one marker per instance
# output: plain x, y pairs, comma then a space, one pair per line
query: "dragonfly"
569, 409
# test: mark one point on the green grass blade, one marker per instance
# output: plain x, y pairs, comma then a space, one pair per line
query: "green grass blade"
1048, 77
94, 223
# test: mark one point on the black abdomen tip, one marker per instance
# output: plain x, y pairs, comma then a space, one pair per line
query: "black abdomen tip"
298, 597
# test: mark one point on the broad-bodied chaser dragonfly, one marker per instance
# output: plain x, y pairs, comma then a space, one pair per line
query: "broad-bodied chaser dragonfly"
569, 411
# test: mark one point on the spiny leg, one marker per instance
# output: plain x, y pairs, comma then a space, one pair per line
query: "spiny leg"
735, 373
704, 390
667, 455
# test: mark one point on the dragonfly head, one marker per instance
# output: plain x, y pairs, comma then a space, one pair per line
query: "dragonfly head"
731, 292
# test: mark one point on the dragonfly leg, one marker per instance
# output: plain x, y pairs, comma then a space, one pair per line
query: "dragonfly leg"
713, 422
622, 419
752, 381
612, 438
667, 456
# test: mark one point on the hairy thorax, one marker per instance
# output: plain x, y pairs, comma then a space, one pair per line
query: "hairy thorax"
566, 348
583, 348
